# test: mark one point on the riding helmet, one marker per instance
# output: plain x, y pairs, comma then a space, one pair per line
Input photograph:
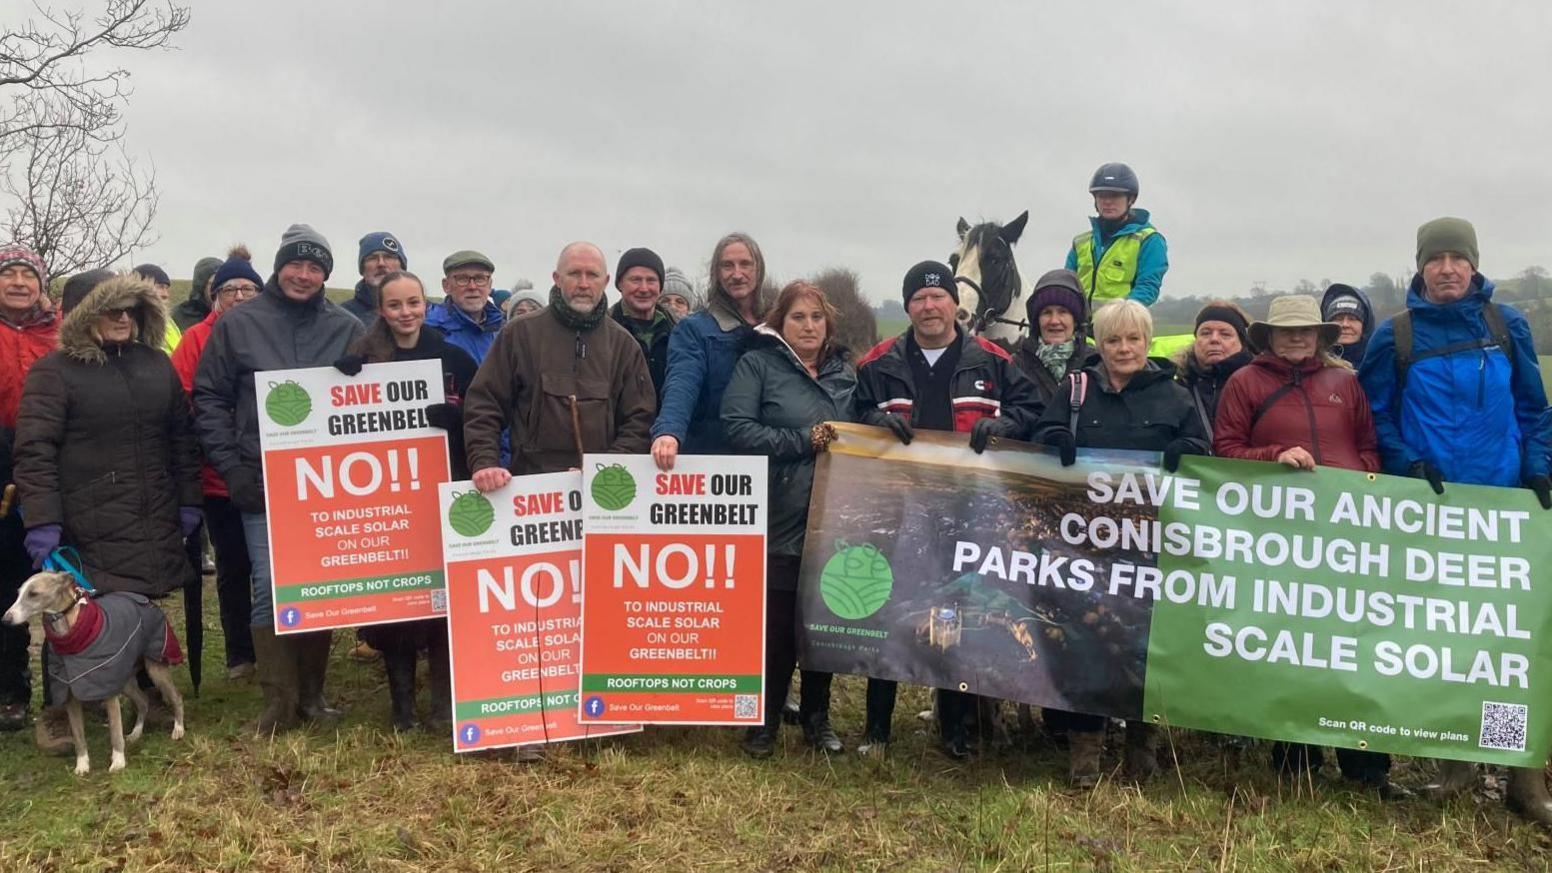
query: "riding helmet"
1114, 177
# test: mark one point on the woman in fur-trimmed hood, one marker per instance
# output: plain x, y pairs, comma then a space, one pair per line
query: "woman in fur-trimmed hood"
106, 460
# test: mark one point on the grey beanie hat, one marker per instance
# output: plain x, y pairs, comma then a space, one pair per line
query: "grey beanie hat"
301, 243
676, 282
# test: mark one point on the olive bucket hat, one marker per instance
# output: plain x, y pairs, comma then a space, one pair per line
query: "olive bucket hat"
1294, 310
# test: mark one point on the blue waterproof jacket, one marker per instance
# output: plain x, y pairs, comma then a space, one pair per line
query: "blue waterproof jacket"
701, 353
461, 331
1152, 258
1477, 415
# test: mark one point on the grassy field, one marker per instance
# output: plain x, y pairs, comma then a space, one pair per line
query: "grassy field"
362, 798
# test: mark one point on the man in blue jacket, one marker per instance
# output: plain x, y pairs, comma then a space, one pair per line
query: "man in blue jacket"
1457, 397
1121, 255
467, 316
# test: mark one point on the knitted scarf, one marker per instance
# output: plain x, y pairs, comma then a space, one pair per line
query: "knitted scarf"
571, 318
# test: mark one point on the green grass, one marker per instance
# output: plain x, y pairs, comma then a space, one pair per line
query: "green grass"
1546, 372
362, 798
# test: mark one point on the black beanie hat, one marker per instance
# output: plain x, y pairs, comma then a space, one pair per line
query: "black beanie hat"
1228, 316
929, 274
638, 257
153, 274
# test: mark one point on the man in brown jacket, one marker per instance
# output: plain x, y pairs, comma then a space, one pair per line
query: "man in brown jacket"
565, 381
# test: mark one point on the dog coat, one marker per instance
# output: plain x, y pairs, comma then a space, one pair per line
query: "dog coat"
113, 633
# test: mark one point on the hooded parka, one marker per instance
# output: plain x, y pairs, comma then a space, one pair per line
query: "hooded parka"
104, 446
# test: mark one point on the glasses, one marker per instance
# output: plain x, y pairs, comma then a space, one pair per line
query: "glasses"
238, 291
463, 280
116, 314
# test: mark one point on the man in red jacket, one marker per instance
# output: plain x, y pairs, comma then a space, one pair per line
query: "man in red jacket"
28, 331
935, 377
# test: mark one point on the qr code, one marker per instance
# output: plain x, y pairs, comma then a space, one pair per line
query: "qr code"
439, 601
1503, 726
745, 706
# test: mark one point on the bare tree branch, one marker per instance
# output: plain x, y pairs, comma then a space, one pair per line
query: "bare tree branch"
43, 68
80, 204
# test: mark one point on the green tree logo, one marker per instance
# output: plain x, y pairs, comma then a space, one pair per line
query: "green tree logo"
470, 514
613, 487
287, 404
856, 581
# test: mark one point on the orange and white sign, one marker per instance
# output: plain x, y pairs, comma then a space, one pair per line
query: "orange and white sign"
673, 592
514, 618
351, 470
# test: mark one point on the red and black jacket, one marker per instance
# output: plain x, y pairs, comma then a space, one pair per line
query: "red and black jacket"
985, 384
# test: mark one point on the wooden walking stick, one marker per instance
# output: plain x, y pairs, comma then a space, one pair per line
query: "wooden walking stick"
576, 429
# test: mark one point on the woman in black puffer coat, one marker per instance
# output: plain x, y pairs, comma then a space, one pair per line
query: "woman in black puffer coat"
106, 459
791, 381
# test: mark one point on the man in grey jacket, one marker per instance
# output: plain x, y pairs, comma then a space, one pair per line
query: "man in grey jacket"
290, 324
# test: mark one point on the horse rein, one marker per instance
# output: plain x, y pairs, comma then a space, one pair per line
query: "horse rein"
985, 320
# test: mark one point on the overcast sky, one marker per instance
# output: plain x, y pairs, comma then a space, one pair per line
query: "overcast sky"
1274, 141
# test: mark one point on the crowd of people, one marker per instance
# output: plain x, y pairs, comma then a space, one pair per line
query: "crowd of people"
129, 428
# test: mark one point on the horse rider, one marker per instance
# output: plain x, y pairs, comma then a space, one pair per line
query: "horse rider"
1122, 254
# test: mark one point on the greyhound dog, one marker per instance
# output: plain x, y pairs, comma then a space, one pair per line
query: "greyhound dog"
97, 645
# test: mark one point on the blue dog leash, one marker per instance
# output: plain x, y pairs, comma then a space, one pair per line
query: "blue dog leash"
59, 561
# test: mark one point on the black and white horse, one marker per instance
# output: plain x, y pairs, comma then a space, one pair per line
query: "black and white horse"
990, 289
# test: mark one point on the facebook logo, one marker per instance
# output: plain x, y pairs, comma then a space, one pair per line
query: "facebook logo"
290, 616
470, 734
594, 707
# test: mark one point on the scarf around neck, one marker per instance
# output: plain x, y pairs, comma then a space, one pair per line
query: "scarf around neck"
1055, 357
571, 318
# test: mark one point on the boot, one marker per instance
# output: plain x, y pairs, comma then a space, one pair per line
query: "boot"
276, 670
820, 735
759, 742
312, 665
1084, 749
952, 739
1453, 777
439, 684
1528, 794
399, 664
1142, 751
52, 732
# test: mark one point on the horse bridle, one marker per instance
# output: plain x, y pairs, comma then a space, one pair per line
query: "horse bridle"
981, 322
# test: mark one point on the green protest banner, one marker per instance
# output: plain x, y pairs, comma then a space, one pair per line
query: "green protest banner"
1330, 607
1349, 609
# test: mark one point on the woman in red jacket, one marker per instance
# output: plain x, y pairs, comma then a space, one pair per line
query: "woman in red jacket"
1300, 405
234, 282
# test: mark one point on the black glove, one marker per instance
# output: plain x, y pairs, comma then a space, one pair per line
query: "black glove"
1173, 450
984, 430
1065, 445
1543, 488
1425, 470
246, 490
444, 415
900, 426
350, 365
